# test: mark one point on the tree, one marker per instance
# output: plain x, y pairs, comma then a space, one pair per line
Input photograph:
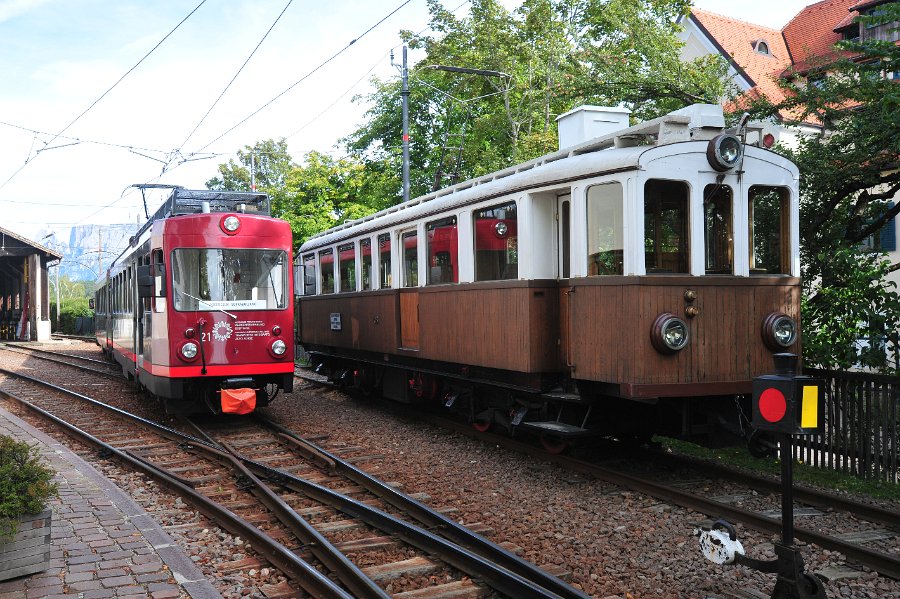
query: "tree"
848, 178
555, 55
270, 163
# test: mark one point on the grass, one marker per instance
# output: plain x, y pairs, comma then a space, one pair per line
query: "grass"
818, 477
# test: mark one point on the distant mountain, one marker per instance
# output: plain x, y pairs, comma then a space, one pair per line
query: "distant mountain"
92, 248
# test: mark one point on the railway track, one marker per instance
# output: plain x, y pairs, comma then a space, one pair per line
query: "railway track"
305, 510
863, 533
92, 365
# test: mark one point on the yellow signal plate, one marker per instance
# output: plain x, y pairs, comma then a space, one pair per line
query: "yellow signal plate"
809, 416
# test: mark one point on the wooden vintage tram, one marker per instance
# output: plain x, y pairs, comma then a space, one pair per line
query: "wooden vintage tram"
197, 308
628, 284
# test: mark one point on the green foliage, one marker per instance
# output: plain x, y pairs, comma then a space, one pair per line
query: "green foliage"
71, 309
270, 164
556, 55
847, 175
25, 483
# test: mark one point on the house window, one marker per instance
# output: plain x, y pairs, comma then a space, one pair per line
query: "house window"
762, 48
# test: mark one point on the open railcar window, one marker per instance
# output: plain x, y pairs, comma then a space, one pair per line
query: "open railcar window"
384, 260
496, 243
347, 267
443, 254
717, 229
326, 268
666, 232
365, 250
769, 230
605, 222
229, 279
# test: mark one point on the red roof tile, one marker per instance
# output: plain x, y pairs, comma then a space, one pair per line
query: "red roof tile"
811, 34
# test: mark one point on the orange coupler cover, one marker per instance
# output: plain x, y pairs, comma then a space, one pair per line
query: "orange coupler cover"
238, 401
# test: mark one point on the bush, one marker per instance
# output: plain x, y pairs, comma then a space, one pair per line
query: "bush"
72, 308
26, 483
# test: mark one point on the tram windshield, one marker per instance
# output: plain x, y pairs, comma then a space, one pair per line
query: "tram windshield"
229, 279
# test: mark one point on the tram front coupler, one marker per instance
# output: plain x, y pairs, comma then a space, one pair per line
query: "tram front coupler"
720, 545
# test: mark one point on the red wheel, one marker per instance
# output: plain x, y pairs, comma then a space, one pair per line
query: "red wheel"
482, 426
553, 445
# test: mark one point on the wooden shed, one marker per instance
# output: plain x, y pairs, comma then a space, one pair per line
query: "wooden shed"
24, 288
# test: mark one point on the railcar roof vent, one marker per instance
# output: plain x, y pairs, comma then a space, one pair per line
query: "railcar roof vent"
191, 201
589, 122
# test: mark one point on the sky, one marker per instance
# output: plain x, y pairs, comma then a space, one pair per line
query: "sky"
88, 107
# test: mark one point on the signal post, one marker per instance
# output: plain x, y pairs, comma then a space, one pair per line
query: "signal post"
785, 404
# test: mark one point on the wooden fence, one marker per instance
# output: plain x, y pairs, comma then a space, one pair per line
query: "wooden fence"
862, 417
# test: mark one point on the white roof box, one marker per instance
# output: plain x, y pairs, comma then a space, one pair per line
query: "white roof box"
589, 122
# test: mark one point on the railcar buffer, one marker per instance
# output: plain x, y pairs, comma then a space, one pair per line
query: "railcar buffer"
786, 404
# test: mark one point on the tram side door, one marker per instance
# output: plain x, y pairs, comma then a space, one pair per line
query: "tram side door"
564, 265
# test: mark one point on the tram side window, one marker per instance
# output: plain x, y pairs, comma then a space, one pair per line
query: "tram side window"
496, 243
410, 244
769, 230
606, 229
717, 235
365, 249
347, 267
666, 227
441, 241
326, 264
309, 274
384, 260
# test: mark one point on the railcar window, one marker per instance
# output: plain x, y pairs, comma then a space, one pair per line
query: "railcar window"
384, 260
769, 230
309, 274
229, 279
606, 237
347, 267
365, 249
496, 243
441, 242
326, 266
717, 235
666, 226
410, 245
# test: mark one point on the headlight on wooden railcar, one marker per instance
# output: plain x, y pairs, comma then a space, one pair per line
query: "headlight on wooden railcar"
724, 152
669, 333
779, 331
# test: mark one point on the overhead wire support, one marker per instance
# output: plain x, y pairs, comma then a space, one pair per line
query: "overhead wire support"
104, 94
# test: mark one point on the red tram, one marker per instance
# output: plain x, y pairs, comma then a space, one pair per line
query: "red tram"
631, 283
196, 310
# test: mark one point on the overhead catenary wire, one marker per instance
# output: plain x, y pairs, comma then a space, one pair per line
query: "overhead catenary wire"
306, 76
197, 126
104, 94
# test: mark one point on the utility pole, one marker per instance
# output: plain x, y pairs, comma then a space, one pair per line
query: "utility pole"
252, 171
404, 97
404, 94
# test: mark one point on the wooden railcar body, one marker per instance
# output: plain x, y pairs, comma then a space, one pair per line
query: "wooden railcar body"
561, 330
159, 295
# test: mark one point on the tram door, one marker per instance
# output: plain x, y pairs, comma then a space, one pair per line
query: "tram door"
564, 265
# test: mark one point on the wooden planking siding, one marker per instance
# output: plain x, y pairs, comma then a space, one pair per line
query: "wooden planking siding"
369, 321
610, 328
510, 327
409, 319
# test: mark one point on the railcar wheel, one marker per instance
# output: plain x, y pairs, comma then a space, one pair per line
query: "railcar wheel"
482, 426
554, 445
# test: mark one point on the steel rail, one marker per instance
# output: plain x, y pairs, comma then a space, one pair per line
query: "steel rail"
310, 579
879, 561
432, 519
19, 350
346, 571
493, 574
802, 493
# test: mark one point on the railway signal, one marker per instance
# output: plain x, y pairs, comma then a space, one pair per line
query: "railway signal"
786, 404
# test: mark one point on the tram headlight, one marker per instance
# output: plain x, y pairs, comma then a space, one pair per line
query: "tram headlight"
189, 350
724, 152
669, 333
779, 331
278, 347
231, 224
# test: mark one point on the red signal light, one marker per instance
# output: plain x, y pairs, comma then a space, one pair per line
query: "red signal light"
772, 405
